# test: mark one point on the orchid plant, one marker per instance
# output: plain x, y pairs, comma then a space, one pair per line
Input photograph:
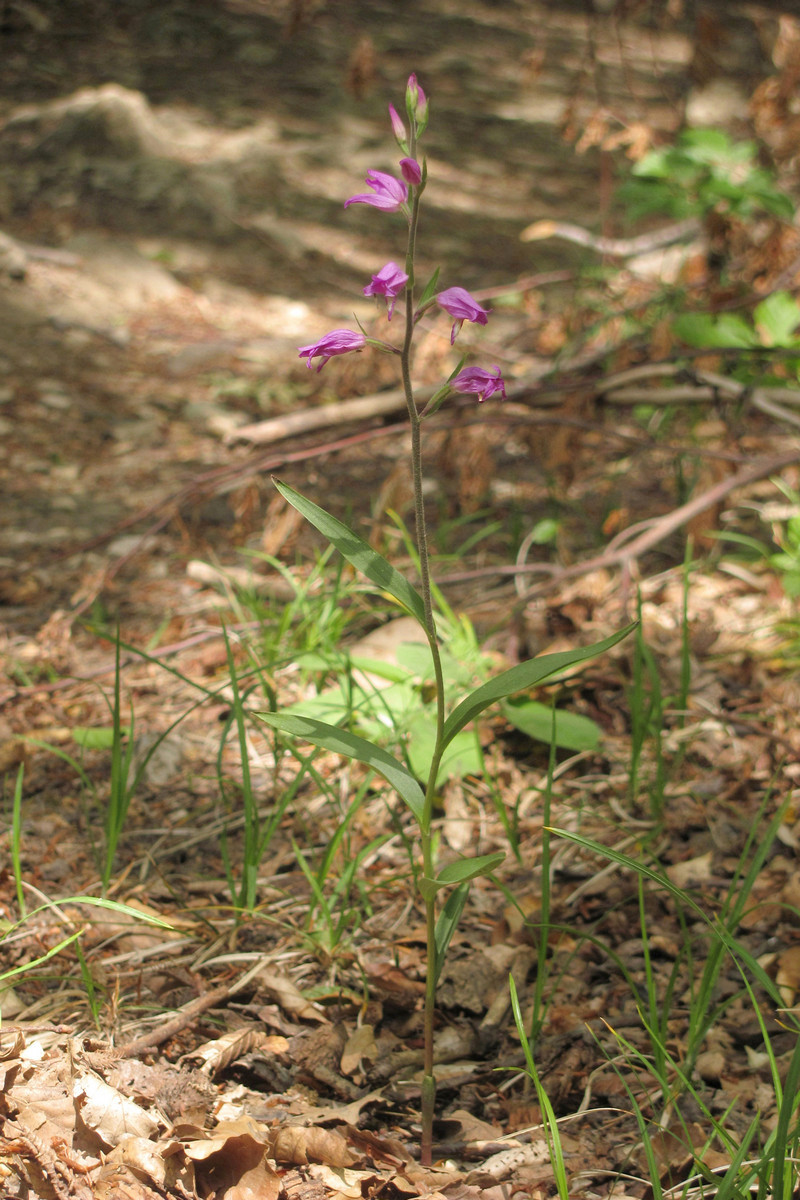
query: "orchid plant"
395, 284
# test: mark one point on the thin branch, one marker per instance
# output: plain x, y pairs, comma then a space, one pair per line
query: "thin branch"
659, 529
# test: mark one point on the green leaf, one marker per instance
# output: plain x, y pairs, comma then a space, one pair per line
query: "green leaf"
94, 739
544, 531
525, 675
775, 202
380, 713
357, 551
572, 731
710, 145
776, 319
461, 757
340, 741
464, 869
461, 871
429, 289
653, 165
447, 923
727, 330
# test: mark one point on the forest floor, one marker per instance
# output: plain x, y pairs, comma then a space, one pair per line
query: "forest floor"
153, 581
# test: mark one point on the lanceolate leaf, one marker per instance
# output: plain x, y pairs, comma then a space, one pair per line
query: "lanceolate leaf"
526, 675
357, 551
447, 923
340, 741
461, 871
470, 868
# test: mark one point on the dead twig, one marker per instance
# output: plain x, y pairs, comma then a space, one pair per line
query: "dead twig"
190, 1012
659, 529
705, 386
614, 247
184, 1017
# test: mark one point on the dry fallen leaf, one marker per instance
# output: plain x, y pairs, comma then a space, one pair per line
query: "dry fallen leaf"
787, 976
231, 1162
109, 1114
691, 872
289, 997
301, 1144
360, 1046
224, 1050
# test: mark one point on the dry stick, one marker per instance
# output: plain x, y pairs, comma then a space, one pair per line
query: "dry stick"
184, 1017
613, 247
708, 386
382, 404
660, 529
323, 417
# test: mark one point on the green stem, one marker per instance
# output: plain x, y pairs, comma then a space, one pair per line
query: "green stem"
429, 1082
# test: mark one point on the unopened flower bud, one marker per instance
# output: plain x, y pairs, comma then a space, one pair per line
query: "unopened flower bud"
398, 128
411, 171
414, 94
416, 104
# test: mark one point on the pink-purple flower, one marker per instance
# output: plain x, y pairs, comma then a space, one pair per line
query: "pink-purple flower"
389, 282
458, 302
390, 193
483, 383
411, 171
338, 341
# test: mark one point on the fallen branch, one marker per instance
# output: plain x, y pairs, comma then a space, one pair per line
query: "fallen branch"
625, 552
615, 247
707, 386
185, 1016
383, 404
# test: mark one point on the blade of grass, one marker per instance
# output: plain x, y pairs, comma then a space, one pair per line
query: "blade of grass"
16, 841
549, 1120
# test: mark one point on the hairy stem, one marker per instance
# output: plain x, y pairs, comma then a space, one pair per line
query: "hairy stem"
429, 1082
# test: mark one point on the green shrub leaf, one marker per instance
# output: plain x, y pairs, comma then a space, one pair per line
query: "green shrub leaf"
703, 329
572, 731
777, 319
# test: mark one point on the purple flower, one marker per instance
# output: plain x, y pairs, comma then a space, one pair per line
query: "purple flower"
338, 341
389, 282
483, 383
390, 193
411, 171
458, 302
398, 128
